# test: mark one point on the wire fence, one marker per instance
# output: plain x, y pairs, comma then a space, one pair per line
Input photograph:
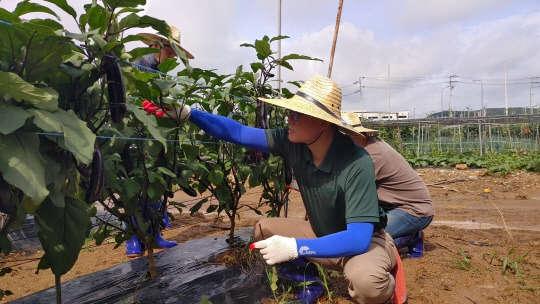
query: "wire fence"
477, 138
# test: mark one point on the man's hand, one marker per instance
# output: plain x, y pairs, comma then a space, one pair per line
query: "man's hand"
182, 111
277, 249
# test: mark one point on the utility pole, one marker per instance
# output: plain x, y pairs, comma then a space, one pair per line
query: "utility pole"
482, 97
388, 91
451, 85
361, 97
534, 84
442, 111
505, 92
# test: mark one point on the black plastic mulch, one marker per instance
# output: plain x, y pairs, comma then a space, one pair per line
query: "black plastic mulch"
186, 273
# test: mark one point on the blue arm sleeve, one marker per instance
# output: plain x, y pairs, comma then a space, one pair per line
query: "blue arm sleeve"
353, 241
226, 129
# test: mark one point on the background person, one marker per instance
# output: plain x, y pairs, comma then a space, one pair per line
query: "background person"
150, 63
401, 192
345, 231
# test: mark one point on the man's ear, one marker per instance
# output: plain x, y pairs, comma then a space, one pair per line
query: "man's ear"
325, 124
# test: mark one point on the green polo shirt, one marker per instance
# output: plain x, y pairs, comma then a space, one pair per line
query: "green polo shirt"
341, 190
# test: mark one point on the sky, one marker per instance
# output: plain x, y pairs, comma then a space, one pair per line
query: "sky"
390, 55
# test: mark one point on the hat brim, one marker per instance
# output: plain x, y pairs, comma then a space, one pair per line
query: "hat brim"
361, 129
151, 37
301, 105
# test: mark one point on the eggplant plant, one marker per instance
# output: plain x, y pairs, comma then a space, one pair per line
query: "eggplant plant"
73, 133
226, 169
60, 91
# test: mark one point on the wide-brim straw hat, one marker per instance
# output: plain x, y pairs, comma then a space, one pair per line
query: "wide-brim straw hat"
175, 38
354, 120
319, 97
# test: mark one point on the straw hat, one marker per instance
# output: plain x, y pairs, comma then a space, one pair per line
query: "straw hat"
319, 97
354, 120
175, 37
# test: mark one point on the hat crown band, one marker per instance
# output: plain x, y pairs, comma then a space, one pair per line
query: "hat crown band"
325, 91
321, 106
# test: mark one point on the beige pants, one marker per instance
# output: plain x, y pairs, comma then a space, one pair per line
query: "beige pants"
368, 274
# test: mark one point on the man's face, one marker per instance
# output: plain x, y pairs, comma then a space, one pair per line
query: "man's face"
164, 52
304, 128
167, 52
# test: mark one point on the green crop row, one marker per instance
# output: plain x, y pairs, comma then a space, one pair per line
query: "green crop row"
495, 163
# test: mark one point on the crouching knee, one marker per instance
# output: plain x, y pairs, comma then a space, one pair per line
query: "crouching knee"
371, 288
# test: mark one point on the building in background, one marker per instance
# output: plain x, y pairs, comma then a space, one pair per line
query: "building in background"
382, 115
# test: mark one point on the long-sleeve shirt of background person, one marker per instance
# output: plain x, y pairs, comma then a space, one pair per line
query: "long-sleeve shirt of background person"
340, 195
147, 63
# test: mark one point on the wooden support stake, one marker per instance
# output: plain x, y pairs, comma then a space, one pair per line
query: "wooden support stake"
338, 19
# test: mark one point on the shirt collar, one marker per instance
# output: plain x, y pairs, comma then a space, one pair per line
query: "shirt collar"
326, 165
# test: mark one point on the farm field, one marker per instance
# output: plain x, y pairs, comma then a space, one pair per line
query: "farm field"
473, 233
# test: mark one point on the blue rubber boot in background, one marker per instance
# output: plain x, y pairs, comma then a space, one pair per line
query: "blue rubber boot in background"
165, 222
163, 243
134, 247
414, 244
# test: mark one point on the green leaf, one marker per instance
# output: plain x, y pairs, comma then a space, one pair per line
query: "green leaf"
256, 66
64, 6
95, 17
168, 64
197, 206
26, 7
137, 53
54, 25
62, 232
131, 20
20, 90
223, 195
46, 120
5, 247
263, 49
296, 56
8, 16
82, 36
166, 172
124, 3
128, 188
159, 25
22, 165
278, 38
78, 138
164, 85
216, 176
191, 152
98, 39
150, 123
286, 65
11, 118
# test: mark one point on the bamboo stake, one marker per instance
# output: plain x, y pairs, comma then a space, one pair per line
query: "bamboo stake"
338, 19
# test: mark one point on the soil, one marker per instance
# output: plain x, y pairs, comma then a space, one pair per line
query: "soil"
482, 223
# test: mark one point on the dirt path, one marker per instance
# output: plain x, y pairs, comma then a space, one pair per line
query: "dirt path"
472, 234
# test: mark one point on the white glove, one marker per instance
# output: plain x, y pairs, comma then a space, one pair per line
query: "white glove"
277, 249
182, 111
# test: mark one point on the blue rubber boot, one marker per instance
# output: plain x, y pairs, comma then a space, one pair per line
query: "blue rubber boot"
163, 243
299, 271
134, 247
414, 244
165, 222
